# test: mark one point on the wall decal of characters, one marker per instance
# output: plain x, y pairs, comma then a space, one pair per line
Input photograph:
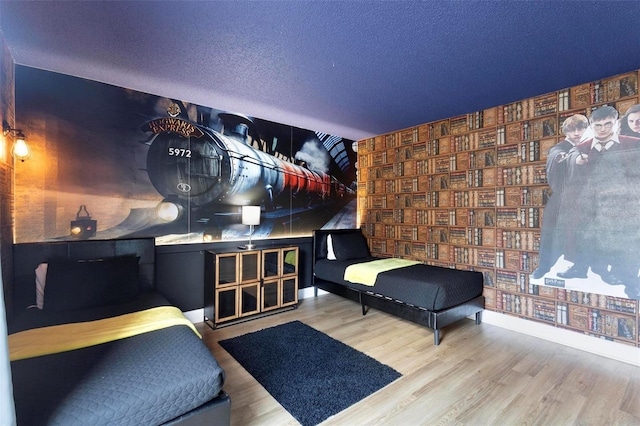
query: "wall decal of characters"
591, 230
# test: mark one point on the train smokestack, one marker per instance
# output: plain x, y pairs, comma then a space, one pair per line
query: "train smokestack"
236, 126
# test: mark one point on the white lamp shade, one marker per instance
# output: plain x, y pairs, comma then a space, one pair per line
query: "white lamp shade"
251, 215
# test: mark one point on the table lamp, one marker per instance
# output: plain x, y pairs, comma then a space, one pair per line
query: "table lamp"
251, 217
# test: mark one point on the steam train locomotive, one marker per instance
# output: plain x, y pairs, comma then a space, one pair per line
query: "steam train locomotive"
197, 168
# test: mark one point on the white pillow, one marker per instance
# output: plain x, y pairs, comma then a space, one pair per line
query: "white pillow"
41, 281
330, 254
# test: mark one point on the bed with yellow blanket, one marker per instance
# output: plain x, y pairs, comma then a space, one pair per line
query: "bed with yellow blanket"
82, 355
428, 295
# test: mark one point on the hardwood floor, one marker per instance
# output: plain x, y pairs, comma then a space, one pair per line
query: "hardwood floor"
478, 375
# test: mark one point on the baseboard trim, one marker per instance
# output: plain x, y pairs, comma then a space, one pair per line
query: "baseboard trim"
606, 348
307, 292
195, 316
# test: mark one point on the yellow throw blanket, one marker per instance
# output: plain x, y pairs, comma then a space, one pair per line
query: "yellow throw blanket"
367, 272
67, 337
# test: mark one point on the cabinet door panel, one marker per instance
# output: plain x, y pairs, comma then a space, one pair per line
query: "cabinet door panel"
289, 261
270, 263
270, 295
226, 304
289, 291
226, 269
249, 266
249, 299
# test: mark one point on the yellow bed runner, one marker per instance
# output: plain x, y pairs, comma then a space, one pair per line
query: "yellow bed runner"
367, 272
67, 337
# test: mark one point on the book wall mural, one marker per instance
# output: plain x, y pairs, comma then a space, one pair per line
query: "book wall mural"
541, 195
110, 162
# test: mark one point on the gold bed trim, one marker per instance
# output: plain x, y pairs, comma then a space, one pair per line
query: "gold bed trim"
67, 337
366, 272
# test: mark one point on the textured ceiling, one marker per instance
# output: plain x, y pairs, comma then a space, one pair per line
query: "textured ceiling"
351, 68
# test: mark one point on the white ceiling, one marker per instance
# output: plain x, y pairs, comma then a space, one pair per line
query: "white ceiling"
350, 68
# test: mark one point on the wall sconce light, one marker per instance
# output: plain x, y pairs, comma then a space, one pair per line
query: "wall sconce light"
20, 150
251, 217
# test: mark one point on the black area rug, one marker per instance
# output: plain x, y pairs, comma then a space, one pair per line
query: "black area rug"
312, 375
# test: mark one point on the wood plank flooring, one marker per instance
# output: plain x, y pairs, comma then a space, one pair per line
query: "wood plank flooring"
478, 375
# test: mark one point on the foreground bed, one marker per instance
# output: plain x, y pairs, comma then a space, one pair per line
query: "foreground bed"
428, 295
66, 371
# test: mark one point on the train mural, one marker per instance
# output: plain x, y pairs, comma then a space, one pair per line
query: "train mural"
195, 166
209, 174
110, 162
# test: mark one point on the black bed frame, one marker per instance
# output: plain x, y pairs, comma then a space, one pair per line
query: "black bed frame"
434, 320
27, 256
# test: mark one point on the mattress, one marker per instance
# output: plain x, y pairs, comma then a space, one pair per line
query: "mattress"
145, 379
428, 287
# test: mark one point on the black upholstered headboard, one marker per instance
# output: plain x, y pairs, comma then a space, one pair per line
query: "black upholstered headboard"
320, 240
27, 256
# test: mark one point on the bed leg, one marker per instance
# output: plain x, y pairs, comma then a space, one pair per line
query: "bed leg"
364, 310
315, 291
478, 317
436, 337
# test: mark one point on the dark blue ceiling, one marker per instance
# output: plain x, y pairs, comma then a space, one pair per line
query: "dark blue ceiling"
350, 68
